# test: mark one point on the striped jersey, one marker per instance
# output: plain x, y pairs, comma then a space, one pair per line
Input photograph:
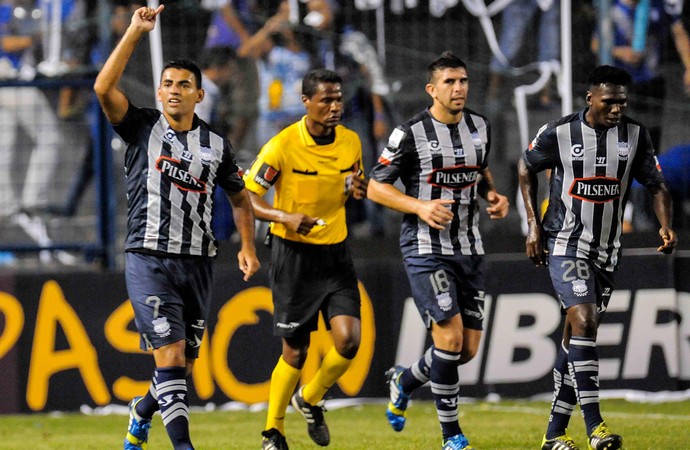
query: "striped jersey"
592, 170
170, 180
308, 178
435, 160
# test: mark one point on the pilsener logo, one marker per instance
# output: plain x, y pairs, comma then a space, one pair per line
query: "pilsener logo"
179, 176
456, 177
596, 189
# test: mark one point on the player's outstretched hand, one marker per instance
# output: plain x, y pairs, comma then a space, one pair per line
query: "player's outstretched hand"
670, 240
144, 18
499, 205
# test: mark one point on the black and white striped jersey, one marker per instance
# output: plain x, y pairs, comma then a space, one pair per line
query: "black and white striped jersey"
590, 183
434, 160
170, 181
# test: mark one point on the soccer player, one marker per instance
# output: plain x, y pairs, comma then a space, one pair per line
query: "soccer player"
172, 163
593, 155
313, 165
440, 155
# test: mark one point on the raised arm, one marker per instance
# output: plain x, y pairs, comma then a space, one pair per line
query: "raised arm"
113, 100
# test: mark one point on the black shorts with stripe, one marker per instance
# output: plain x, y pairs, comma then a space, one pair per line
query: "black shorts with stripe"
170, 297
308, 278
445, 285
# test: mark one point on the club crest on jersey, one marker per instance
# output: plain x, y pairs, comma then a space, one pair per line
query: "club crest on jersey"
458, 152
623, 151
579, 288
476, 140
206, 154
445, 302
161, 326
179, 175
455, 177
266, 176
596, 189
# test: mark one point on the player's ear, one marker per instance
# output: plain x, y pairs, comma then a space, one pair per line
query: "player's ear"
200, 95
588, 98
430, 89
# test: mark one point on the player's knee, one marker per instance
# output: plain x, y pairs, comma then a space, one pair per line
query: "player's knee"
585, 327
467, 355
348, 346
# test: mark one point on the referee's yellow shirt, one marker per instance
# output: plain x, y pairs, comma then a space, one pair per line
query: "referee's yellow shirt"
308, 178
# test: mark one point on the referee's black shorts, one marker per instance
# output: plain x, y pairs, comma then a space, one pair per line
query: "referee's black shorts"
306, 279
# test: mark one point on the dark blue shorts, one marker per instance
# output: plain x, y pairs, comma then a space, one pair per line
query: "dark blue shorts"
578, 281
443, 286
306, 279
170, 297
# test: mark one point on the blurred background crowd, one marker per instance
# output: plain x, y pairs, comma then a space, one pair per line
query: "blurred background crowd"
62, 200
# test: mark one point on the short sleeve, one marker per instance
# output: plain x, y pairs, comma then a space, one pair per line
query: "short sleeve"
539, 154
265, 170
387, 168
229, 177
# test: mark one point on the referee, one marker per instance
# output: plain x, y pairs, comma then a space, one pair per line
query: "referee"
172, 163
314, 165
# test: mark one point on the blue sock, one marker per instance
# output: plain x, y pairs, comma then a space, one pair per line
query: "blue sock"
564, 399
445, 387
148, 405
171, 386
583, 364
417, 374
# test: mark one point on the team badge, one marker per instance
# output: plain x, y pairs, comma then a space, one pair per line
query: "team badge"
444, 301
206, 154
579, 288
161, 326
623, 151
476, 140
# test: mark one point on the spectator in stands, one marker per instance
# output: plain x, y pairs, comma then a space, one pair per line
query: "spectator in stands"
232, 23
645, 64
25, 109
349, 52
516, 19
283, 57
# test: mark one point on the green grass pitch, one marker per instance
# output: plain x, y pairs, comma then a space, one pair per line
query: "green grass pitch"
507, 425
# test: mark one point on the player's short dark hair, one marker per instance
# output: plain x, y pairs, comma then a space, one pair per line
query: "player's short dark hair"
216, 57
447, 60
609, 75
311, 80
186, 64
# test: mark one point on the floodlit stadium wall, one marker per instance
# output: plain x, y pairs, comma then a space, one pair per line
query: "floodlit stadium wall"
68, 339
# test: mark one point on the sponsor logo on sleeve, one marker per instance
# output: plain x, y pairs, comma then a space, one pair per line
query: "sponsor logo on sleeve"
266, 176
395, 138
